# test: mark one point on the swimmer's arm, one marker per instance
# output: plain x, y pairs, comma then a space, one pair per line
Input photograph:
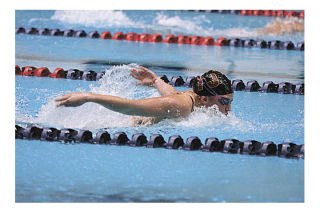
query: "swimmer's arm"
169, 106
164, 88
149, 78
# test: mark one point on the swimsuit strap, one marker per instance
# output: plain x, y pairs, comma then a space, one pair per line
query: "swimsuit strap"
192, 99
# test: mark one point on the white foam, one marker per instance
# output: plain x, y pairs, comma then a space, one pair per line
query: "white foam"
94, 18
178, 25
210, 118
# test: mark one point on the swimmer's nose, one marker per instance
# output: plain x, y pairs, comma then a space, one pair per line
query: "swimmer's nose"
228, 108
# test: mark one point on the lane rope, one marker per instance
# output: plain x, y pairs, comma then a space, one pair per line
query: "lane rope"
176, 81
192, 143
274, 13
170, 38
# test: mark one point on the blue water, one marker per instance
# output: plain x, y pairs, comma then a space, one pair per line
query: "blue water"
55, 172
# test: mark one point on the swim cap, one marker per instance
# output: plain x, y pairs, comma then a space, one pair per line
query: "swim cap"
212, 83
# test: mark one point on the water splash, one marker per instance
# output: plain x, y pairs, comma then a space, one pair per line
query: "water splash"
95, 18
177, 25
210, 118
91, 116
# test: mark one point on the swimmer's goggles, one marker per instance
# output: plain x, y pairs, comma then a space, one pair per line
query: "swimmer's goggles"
225, 101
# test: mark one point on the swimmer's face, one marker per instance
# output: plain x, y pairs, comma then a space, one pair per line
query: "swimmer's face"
216, 100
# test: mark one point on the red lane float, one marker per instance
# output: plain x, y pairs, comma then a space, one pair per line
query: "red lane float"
58, 73
279, 13
39, 72
106, 35
42, 72
222, 42
156, 38
301, 14
145, 37
28, 71
183, 39
170, 39
274, 13
258, 12
196, 40
132, 36
267, 12
208, 41
118, 36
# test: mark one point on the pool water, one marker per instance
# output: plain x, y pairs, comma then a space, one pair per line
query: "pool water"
56, 172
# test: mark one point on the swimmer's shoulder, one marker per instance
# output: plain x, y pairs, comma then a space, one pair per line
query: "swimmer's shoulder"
187, 96
187, 92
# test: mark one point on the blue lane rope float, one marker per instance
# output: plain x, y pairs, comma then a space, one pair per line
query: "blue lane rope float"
177, 81
181, 39
193, 143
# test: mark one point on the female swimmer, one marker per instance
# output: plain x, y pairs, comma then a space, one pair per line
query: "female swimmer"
212, 88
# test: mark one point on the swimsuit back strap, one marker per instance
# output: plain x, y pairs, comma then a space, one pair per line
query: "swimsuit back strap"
192, 99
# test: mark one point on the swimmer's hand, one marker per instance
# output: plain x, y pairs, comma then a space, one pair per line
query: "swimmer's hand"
73, 99
145, 76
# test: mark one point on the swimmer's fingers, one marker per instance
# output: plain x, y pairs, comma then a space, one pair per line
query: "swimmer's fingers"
145, 76
144, 69
62, 103
140, 74
69, 103
135, 73
148, 72
71, 99
63, 97
141, 71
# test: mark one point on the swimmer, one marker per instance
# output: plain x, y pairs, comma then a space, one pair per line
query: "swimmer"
282, 26
212, 88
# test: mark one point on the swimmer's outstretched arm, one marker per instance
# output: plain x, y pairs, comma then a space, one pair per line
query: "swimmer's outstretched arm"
168, 106
149, 78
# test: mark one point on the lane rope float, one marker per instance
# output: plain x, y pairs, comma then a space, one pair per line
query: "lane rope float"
193, 143
274, 13
170, 38
176, 81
